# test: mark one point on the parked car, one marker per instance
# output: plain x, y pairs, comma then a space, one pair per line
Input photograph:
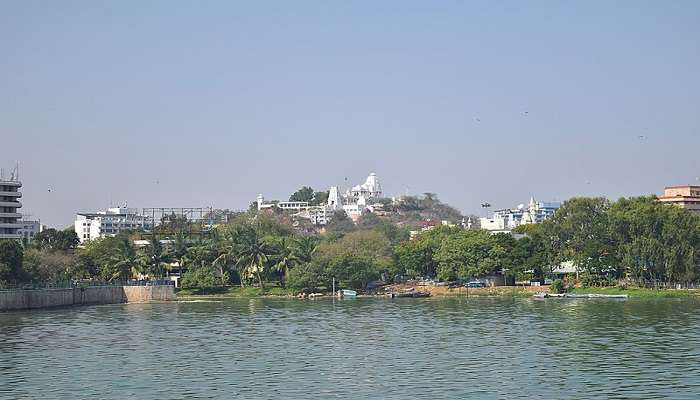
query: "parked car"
474, 284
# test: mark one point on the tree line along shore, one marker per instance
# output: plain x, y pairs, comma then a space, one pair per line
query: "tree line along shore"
623, 245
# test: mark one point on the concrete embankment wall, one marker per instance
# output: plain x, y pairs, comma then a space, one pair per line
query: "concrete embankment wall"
143, 294
43, 298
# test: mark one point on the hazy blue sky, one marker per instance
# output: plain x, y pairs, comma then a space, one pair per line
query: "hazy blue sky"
210, 103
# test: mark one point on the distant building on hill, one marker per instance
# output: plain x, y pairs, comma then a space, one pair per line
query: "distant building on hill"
356, 201
684, 196
506, 220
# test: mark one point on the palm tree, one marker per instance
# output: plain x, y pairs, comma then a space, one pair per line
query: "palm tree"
155, 258
283, 258
180, 250
304, 249
227, 253
253, 253
124, 261
202, 253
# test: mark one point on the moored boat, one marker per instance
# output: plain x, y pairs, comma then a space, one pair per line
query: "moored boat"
348, 293
412, 294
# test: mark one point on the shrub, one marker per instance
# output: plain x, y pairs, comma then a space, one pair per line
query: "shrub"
557, 286
199, 278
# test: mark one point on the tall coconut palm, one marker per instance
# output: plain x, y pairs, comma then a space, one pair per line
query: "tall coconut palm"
227, 253
124, 261
304, 249
253, 254
179, 250
155, 258
283, 257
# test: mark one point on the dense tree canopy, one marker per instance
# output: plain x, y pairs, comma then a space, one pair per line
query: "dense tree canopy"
305, 193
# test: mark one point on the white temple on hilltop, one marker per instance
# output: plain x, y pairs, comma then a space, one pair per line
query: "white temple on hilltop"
370, 189
358, 198
355, 202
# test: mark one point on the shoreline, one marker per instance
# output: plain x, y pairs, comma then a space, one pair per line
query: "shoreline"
443, 292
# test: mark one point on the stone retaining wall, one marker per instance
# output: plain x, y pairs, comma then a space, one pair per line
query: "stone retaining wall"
20, 299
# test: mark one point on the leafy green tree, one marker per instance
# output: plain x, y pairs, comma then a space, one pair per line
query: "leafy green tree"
465, 254
320, 198
45, 265
340, 223
368, 221
308, 277
501, 255
655, 242
370, 251
85, 267
52, 239
199, 277
305, 193
368, 245
355, 272
11, 255
270, 225
579, 232
416, 257
394, 233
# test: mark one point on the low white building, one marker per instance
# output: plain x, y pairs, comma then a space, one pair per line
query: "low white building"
494, 225
29, 229
89, 226
508, 219
282, 205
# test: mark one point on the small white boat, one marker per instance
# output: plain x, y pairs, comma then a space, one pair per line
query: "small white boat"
348, 293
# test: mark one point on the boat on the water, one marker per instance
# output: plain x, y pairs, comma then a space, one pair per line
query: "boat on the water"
348, 293
412, 294
543, 295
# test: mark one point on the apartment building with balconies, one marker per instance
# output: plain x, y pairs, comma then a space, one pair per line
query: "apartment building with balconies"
9, 207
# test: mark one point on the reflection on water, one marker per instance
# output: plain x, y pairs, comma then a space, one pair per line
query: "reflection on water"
365, 348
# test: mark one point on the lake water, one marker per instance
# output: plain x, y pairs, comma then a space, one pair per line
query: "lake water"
433, 348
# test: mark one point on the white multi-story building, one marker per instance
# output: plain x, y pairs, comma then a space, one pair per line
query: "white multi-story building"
507, 219
9, 205
29, 229
89, 226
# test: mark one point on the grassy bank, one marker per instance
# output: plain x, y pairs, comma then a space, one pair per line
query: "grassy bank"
233, 292
638, 292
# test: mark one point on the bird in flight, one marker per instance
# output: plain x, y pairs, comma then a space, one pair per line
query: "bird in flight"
476, 119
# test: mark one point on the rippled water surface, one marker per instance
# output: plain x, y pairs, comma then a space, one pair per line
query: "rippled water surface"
362, 348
